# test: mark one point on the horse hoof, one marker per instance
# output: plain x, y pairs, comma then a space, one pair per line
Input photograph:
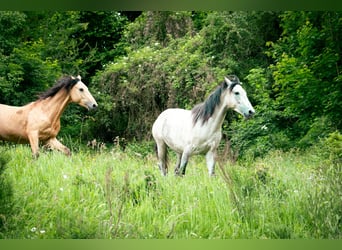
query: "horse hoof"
35, 156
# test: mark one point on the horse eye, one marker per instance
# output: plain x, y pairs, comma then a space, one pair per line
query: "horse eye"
237, 93
81, 89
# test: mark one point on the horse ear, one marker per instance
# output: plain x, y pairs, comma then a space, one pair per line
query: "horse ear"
77, 77
227, 82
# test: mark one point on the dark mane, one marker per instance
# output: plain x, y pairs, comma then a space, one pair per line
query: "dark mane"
206, 109
65, 82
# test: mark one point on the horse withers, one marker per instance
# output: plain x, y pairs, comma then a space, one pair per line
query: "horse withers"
39, 121
199, 131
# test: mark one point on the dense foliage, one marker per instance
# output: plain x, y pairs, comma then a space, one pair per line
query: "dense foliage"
140, 63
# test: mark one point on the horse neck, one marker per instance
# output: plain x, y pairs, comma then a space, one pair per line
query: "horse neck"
215, 122
56, 105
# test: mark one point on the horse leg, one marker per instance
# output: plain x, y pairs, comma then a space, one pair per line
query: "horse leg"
162, 157
210, 158
184, 162
179, 158
34, 143
53, 143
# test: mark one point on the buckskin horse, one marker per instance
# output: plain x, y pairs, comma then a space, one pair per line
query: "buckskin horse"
39, 121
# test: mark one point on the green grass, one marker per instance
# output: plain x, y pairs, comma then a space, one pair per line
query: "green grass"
115, 194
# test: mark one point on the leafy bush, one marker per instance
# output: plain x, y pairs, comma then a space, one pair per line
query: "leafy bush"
319, 129
135, 89
332, 147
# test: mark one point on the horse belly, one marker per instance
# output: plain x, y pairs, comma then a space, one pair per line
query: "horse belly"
176, 142
179, 143
14, 138
175, 137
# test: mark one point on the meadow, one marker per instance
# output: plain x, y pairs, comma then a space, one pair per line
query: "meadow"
111, 193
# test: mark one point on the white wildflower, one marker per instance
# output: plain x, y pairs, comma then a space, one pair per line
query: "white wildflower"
264, 127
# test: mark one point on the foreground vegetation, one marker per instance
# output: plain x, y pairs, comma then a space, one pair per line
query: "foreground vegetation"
108, 193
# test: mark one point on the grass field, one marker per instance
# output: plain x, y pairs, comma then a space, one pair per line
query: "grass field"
115, 194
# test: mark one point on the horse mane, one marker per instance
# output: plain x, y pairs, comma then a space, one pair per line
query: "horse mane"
206, 109
65, 82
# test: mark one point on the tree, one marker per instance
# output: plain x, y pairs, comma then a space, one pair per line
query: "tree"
11, 23
158, 27
236, 40
307, 77
101, 40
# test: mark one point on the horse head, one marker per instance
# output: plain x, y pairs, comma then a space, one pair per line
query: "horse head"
80, 94
236, 97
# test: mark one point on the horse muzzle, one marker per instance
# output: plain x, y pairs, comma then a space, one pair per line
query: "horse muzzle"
93, 106
250, 114
90, 105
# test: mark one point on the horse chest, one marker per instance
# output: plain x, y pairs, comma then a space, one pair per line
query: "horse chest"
204, 147
49, 130
202, 144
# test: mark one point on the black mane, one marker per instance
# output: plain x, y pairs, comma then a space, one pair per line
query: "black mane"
65, 82
206, 109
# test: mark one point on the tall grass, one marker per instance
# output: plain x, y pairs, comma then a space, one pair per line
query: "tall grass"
115, 194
